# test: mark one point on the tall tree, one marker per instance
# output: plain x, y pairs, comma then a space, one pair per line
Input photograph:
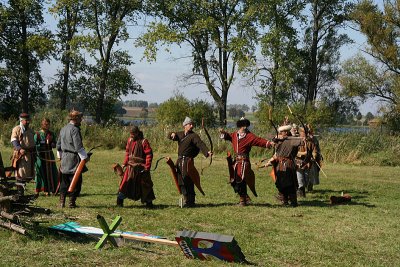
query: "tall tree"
276, 69
24, 44
105, 23
220, 33
322, 42
69, 13
378, 77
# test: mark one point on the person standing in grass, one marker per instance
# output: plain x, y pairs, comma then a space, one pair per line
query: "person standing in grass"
242, 142
71, 152
22, 139
302, 165
316, 160
189, 146
284, 165
136, 183
46, 177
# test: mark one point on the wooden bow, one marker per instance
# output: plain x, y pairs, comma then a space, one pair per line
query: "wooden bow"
211, 143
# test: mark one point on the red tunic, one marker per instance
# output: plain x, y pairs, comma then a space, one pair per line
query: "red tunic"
136, 183
240, 166
130, 145
243, 146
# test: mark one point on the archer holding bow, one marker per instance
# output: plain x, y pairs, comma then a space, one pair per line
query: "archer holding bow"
241, 174
189, 146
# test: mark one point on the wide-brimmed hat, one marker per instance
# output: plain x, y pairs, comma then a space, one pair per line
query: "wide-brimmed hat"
74, 114
187, 121
284, 128
243, 122
25, 116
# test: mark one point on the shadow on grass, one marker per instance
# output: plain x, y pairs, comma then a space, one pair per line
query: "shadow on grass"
39, 232
97, 194
323, 204
336, 192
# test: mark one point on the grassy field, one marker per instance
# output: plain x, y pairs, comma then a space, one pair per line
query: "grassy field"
365, 232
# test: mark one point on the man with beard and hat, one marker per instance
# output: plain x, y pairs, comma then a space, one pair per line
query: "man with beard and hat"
189, 146
71, 152
136, 183
240, 168
284, 165
22, 139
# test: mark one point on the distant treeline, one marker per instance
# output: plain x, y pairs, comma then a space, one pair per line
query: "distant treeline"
374, 148
139, 104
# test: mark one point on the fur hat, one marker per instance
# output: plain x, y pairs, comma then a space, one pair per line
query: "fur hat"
243, 122
24, 116
74, 114
187, 121
285, 128
135, 130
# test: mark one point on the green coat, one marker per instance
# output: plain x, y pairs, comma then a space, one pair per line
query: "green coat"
46, 169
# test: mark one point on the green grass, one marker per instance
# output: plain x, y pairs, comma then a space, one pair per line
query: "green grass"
365, 232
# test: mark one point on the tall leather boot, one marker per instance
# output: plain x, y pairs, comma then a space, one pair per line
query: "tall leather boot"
190, 201
242, 201
283, 199
293, 200
72, 200
248, 200
62, 200
120, 202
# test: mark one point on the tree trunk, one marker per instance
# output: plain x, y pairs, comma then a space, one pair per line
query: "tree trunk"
222, 112
312, 75
24, 87
64, 90
102, 92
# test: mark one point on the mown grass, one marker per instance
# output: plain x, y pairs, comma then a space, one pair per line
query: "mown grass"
365, 232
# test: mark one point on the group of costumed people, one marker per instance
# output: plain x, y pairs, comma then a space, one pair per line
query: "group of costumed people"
295, 162
33, 156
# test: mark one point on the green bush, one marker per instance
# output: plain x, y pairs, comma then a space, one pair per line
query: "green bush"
355, 148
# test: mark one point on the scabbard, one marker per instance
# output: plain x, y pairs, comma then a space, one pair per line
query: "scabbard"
77, 174
250, 179
194, 175
174, 174
230, 167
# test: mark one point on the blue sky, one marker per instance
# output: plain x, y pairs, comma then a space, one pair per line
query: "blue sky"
161, 79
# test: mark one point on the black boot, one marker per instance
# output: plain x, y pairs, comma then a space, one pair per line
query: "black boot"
293, 200
189, 201
62, 200
72, 200
301, 192
310, 187
149, 204
120, 202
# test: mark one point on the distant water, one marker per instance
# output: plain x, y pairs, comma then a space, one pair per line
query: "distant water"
348, 130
